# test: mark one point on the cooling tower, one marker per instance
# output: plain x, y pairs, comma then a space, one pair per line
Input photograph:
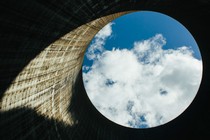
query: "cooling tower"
42, 96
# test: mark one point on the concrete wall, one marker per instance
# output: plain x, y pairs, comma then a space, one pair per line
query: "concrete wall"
42, 48
45, 83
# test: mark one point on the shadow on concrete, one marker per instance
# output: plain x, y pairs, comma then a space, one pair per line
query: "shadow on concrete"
24, 123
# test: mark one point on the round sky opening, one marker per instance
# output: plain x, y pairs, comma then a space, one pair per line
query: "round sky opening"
142, 70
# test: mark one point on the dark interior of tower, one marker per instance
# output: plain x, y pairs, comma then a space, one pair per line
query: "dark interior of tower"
42, 96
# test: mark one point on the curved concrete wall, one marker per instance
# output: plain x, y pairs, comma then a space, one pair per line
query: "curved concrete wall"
43, 43
45, 83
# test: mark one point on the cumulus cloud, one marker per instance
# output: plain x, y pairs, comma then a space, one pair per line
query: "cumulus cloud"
145, 86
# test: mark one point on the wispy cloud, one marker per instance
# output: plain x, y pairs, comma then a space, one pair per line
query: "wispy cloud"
142, 87
99, 41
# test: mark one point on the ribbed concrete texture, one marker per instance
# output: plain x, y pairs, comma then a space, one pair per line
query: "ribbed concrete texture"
42, 96
45, 84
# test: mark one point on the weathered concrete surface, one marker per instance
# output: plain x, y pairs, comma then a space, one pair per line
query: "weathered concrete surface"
45, 84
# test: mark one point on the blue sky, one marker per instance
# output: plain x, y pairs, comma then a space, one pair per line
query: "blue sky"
143, 25
142, 70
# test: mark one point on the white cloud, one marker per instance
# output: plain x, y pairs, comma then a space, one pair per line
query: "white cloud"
99, 40
143, 87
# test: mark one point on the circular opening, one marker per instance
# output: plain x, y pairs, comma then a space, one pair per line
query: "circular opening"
142, 70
